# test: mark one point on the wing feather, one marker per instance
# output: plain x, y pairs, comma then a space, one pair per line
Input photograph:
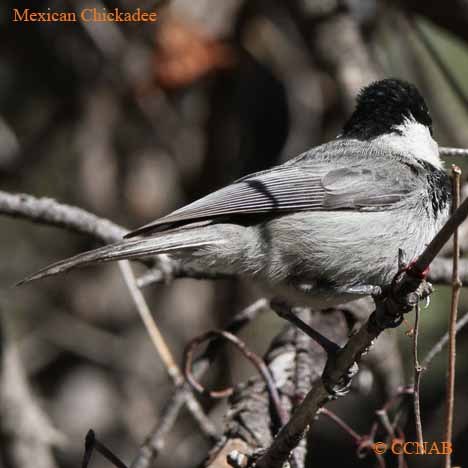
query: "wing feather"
315, 183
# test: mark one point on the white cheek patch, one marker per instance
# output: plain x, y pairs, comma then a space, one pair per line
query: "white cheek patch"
413, 139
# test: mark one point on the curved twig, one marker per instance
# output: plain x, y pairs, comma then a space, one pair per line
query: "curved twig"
256, 360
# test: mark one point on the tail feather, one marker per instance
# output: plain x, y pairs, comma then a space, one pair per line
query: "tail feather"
128, 249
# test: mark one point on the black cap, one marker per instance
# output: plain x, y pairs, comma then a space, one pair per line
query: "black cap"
382, 106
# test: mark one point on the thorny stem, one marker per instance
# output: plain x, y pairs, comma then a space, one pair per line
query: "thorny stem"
456, 286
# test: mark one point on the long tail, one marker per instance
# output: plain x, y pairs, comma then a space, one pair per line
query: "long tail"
164, 243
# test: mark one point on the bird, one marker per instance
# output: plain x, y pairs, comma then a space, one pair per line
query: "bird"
323, 228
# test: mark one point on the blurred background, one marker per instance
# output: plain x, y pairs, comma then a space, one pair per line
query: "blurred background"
131, 121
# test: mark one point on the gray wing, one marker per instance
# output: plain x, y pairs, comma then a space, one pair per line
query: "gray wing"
312, 182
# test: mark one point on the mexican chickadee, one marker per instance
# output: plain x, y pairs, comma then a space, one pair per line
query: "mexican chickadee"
325, 227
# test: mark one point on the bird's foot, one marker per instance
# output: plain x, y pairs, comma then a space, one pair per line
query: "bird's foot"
386, 316
338, 387
424, 291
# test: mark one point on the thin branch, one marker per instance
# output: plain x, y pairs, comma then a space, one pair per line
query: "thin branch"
163, 349
456, 287
155, 441
441, 270
384, 420
440, 345
401, 456
444, 151
242, 318
153, 331
342, 424
152, 276
417, 377
363, 442
48, 211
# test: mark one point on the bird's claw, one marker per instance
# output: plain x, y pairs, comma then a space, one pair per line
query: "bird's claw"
341, 386
424, 291
385, 321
